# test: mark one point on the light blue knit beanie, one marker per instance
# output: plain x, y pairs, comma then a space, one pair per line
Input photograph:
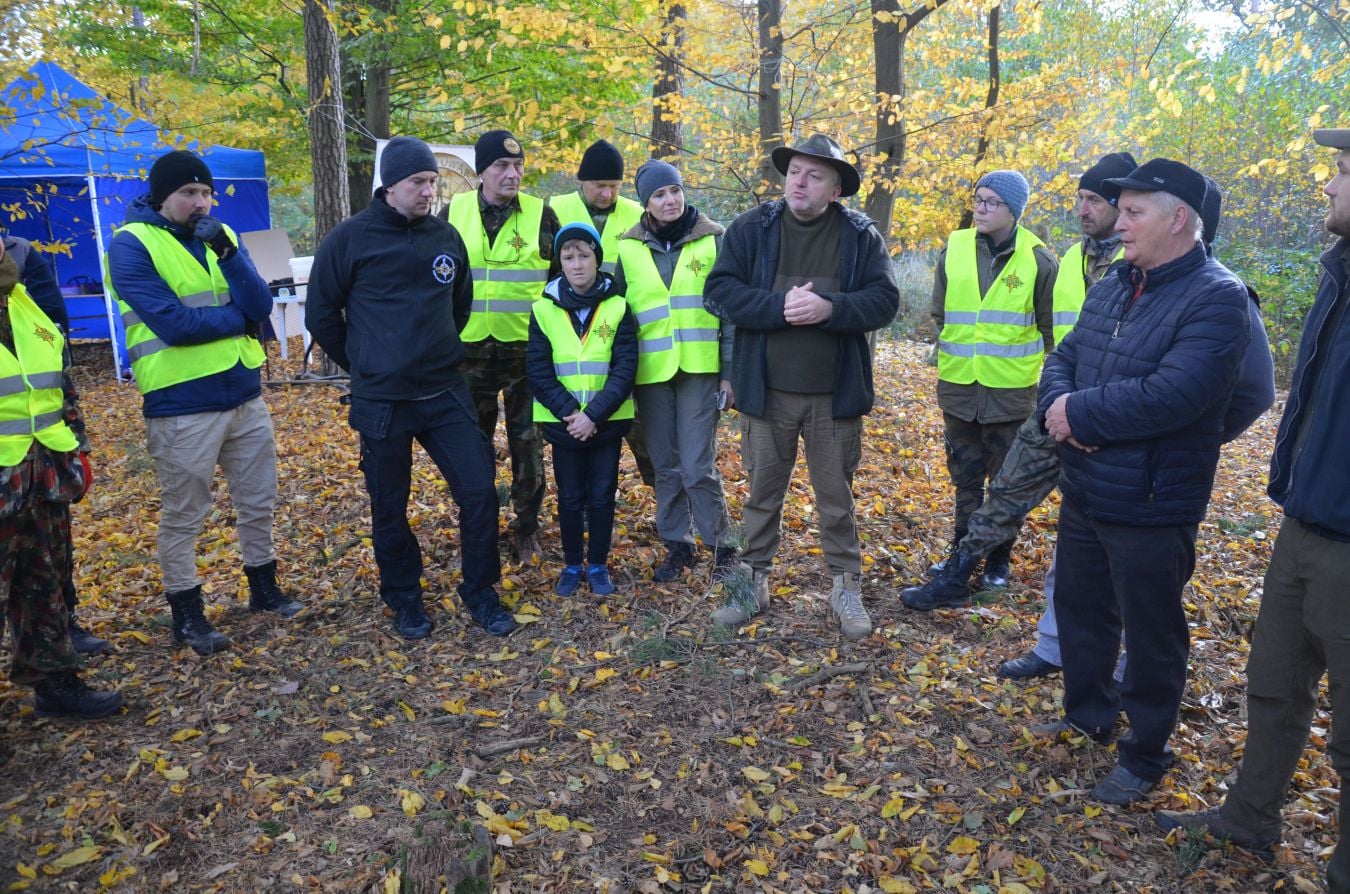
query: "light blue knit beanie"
1011, 187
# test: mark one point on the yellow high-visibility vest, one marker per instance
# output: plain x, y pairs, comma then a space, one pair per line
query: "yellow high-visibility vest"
31, 399
625, 214
674, 331
991, 340
581, 363
507, 275
156, 364
1071, 289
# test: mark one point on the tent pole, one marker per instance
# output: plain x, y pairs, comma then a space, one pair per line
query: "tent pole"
107, 300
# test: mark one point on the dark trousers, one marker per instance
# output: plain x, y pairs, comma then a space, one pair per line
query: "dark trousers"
446, 427
1302, 632
975, 452
1110, 577
588, 480
493, 368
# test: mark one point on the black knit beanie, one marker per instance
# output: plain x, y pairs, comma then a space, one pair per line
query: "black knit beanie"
1115, 164
404, 156
601, 162
174, 170
493, 145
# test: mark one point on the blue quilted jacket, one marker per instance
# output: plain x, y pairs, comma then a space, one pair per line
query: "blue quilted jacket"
1149, 371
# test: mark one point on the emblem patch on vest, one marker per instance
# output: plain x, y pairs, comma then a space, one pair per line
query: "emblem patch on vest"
443, 268
695, 266
517, 242
604, 332
1013, 281
46, 335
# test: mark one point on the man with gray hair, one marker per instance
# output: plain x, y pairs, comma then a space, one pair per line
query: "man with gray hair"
1136, 397
1303, 629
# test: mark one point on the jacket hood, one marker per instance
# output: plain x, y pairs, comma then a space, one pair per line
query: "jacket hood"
562, 294
771, 211
703, 226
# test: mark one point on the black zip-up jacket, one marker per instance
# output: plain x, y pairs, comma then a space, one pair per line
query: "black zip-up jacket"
387, 299
1308, 472
740, 291
1149, 379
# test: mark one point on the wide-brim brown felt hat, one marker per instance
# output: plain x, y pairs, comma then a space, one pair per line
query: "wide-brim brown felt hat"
827, 150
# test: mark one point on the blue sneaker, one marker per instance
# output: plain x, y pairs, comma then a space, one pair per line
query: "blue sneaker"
569, 580
598, 577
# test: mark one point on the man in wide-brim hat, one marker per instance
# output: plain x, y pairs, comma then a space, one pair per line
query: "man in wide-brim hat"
804, 280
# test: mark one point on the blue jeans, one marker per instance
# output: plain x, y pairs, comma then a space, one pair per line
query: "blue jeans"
588, 479
447, 428
1113, 578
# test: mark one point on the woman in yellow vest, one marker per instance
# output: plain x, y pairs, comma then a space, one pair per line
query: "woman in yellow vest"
581, 362
684, 364
43, 466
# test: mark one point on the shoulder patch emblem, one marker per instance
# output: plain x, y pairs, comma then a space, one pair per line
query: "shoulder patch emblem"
443, 268
45, 334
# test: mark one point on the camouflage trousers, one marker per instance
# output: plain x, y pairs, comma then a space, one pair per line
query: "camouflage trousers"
637, 445
1030, 471
975, 451
34, 558
494, 368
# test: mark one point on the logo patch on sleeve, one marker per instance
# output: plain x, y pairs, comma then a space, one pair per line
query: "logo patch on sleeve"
443, 268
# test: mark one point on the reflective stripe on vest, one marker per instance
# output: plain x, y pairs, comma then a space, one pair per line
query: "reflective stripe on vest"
675, 332
625, 214
1071, 287
155, 363
581, 363
991, 340
507, 275
31, 399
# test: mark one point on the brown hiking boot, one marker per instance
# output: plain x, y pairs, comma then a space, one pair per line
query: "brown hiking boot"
525, 548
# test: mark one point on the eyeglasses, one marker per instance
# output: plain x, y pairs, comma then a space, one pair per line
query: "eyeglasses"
989, 204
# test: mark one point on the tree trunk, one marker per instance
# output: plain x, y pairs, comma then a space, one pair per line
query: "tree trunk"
890, 30
668, 88
367, 91
328, 144
770, 93
990, 100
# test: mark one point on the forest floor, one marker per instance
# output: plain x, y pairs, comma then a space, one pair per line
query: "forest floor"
616, 745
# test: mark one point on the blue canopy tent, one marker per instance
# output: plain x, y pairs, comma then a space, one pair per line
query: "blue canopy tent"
71, 162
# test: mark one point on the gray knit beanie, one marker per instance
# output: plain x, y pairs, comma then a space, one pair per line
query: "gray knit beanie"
404, 156
1011, 187
653, 175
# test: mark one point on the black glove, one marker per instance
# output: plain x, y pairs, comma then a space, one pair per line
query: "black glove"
212, 232
251, 329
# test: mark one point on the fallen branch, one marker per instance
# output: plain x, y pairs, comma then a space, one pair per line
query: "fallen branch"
829, 673
483, 752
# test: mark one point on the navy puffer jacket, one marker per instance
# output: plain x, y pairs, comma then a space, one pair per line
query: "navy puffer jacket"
1149, 380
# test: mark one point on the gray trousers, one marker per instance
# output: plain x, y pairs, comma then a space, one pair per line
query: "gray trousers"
769, 452
679, 423
1302, 632
186, 451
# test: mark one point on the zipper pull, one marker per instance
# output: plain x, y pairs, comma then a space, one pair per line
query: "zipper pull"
1116, 333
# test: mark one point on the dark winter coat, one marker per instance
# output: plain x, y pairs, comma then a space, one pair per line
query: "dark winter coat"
1309, 475
1149, 380
139, 284
387, 299
623, 361
740, 291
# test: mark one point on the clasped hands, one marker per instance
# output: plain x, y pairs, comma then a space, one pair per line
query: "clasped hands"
803, 307
1057, 424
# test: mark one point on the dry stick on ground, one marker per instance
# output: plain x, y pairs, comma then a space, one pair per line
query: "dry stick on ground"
828, 673
483, 752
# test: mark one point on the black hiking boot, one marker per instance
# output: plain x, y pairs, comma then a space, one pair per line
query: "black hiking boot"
190, 625
263, 593
66, 695
950, 589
